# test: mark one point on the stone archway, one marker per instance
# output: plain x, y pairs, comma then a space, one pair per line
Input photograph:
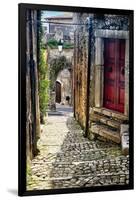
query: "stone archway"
64, 78
59, 67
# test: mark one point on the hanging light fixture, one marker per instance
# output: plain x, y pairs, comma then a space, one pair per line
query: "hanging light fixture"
60, 45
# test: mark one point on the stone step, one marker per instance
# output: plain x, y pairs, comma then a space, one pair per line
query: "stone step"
109, 113
105, 132
105, 120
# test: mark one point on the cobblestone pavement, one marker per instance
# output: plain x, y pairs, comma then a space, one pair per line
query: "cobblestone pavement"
67, 159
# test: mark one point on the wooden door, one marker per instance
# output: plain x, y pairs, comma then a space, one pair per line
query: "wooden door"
114, 74
58, 92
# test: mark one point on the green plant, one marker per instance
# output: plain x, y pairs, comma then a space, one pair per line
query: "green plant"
52, 43
43, 75
68, 46
43, 95
43, 83
28, 168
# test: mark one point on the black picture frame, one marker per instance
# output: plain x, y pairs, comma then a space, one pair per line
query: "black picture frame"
22, 94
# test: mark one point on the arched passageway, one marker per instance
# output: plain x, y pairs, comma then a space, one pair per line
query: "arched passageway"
63, 87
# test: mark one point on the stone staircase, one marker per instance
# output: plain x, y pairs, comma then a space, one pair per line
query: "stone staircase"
106, 124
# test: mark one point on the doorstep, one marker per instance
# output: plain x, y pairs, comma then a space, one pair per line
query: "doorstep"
109, 113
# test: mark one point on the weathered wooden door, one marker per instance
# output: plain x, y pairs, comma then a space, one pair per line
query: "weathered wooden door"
114, 74
58, 92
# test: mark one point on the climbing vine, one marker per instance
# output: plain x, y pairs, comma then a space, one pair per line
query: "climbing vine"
43, 83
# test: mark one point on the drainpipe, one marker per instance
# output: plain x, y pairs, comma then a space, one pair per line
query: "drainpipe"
90, 30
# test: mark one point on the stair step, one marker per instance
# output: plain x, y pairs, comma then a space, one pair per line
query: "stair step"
110, 113
105, 132
105, 120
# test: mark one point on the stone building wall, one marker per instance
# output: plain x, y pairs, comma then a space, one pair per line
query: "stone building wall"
103, 123
80, 68
32, 97
58, 30
54, 53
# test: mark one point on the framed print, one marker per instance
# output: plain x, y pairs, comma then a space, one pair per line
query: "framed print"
75, 99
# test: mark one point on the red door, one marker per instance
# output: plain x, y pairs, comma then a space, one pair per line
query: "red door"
114, 74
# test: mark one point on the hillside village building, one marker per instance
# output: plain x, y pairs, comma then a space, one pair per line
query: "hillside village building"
59, 28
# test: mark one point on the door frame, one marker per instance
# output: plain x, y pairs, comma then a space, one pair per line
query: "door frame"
99, 64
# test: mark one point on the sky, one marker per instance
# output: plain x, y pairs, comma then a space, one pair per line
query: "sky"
52, 13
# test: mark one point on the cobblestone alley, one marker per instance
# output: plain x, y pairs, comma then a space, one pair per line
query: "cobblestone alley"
67, 159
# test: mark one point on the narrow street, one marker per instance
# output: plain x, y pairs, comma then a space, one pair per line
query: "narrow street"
67, 159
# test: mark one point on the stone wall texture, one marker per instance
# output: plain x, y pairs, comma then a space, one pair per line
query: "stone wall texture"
54, 53
103, 123
80, 69
67, 56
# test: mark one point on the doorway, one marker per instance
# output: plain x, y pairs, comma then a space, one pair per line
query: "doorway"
114, 74
58, 92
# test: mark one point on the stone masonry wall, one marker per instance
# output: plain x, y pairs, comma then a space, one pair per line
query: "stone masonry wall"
80, 69
54, 54
110, 26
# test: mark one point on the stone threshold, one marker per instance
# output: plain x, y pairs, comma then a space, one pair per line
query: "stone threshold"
109, 113
105, 132
105, 120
